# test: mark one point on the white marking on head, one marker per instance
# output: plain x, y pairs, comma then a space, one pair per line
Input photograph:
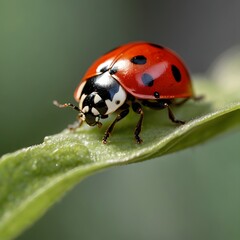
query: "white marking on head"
97, 98
85, 109
95, 111
118, 99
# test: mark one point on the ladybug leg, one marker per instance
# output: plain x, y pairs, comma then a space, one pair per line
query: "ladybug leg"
179, 103
171, 115
195, 98
198, 98
138, 109
161, 104
120, 116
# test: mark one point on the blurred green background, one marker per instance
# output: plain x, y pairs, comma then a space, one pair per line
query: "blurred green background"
45, 48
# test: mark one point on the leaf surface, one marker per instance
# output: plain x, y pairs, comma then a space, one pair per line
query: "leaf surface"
34, 178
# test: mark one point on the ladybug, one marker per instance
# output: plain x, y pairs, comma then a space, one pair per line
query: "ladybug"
133, 75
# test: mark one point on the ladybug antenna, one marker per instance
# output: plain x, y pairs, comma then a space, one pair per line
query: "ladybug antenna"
56, 103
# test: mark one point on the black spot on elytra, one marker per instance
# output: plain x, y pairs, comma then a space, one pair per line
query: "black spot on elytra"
156, 95
113, 70
147, 80
139, 59
176, 73
156, 45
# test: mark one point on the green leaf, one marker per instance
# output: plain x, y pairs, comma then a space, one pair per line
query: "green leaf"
34, 178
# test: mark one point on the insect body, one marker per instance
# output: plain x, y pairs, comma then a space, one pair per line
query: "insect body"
133, 75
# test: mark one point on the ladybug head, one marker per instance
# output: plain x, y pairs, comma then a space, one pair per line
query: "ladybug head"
98, 97
91, 109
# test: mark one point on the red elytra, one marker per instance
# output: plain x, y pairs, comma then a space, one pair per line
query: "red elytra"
165, 75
